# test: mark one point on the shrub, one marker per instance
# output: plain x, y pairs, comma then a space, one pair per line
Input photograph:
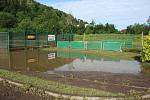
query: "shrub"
145, 55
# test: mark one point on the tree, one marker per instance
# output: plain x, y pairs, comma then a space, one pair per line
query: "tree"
26, 24
137, 29
7, 20
145, 55
92, 23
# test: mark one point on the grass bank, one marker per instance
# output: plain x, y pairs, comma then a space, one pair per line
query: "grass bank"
108, 54
54, 86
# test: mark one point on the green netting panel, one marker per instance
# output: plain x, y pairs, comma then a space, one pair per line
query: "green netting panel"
17, 39
113, 46
62, 44
4, 40
32, 43
94, 45
43, 39
77, 45
128, 44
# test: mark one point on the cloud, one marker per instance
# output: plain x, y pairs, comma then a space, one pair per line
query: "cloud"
119, 12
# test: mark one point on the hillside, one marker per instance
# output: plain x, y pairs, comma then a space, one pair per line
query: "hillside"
22, 15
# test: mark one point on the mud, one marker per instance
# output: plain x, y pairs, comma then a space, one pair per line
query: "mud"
11, 92
122, 83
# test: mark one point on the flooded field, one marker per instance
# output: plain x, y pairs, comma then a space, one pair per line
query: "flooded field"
79, 69
36, 60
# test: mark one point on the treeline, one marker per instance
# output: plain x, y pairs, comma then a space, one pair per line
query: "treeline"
23, 15
138, 29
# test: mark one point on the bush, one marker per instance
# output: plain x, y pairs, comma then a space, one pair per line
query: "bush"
145, 55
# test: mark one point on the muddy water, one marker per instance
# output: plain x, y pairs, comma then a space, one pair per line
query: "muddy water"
42, 61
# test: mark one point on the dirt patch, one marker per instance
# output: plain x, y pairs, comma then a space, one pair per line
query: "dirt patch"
122, 83
11, 92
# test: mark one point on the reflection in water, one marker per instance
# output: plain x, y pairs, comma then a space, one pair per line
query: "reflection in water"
31, 60
36, 60
122, 66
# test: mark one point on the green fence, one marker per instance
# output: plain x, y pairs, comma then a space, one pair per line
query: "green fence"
114, 46
112, 42
17, 39
26, 39
77, 44
63, 44
94, 45
22, 39
4, 40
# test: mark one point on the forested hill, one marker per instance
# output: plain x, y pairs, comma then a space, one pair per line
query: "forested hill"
22, 15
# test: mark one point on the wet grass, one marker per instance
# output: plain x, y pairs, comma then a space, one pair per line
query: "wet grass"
55, 86
127, 55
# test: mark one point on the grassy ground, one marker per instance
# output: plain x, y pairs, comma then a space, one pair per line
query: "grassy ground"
54, 86
98, 37
128, 55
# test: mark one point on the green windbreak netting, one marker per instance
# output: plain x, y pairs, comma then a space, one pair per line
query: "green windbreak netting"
4, 47
92, 42
43, 39
4, 40
77, 45
63, 44
114, 46
94, 45
17, 39
128, 44
28, 39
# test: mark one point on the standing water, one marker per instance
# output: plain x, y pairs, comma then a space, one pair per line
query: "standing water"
37, 60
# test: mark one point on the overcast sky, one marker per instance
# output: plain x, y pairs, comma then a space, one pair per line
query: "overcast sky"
119, 12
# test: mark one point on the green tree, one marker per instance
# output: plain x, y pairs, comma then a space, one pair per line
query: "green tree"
26, 24
7, 20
